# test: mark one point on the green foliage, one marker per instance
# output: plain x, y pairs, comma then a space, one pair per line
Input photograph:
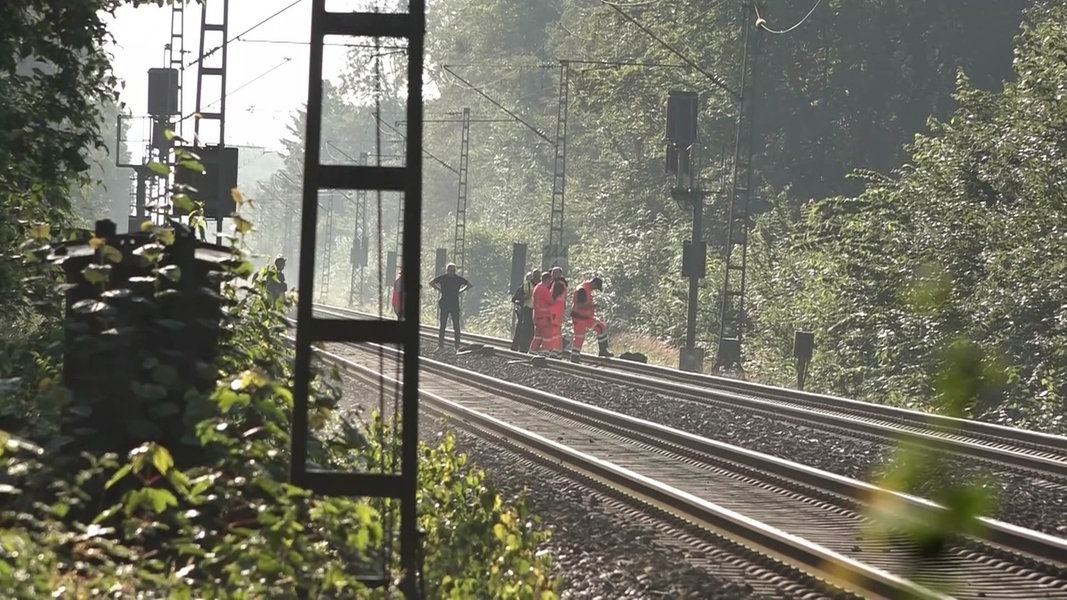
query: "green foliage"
232, 526
845, 90
181, 490
478, 546
967, 376
965, 242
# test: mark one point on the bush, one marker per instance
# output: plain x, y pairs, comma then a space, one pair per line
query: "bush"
215, 517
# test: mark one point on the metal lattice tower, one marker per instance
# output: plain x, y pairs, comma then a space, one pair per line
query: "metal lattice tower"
556, 249
732, 315
327, 254
176, 54
400, 484
360, 243
399, 232
459, 247
216, 57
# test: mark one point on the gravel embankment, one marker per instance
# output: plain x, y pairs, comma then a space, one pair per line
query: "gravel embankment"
1022, 500
605, 549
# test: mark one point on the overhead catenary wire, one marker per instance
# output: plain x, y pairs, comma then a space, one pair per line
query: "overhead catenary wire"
633, 4
541, 134
246, 31
424, 150
307, 43
762, 23
718, 81
229, 93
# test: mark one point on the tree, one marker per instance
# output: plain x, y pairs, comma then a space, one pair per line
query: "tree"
54, 78
973, 226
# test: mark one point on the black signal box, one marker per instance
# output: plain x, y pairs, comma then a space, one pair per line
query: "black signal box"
682, 117
214, 187
162, 92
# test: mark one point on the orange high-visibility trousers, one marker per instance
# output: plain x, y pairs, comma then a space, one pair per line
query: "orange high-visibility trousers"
542, 334
554, 335
583, 325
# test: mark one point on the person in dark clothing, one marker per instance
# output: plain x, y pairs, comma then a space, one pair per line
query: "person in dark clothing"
450, 286
523, 301
276, 285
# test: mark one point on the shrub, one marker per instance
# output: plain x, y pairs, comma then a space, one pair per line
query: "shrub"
222, 520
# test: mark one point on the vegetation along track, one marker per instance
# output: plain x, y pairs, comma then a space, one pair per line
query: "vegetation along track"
803, 517
1037, 454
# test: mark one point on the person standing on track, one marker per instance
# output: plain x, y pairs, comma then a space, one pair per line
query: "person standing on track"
450, 286
398, 295
276, 285
583, 318
557, 275
542, 319
524, 326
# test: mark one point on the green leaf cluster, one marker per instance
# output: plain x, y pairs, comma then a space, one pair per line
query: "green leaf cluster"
966, 241
223, 521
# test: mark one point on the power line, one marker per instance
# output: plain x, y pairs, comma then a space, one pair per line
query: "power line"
219, 47
306, 43
229, 93
713, 78
424, 150
540, 134
762, 23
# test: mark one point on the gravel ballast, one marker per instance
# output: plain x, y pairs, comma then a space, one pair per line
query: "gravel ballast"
604, 550
1022, 500
603, 547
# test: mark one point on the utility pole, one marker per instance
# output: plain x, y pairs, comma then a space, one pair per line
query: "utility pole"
327, 255
732, 315
465, 119
360, 243
176, 55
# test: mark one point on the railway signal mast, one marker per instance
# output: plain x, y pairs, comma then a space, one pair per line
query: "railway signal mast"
397, 481
682, 110
164, 102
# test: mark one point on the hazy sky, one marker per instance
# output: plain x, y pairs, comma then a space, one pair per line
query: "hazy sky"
266, 78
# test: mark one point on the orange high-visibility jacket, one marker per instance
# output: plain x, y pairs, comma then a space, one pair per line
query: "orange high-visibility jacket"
582, 307
559, 303
542, 301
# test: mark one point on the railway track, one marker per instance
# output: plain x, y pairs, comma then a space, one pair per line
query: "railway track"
1037, 454
810, 520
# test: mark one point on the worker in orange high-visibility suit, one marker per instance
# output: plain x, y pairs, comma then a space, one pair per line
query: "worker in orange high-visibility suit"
583, 318
542, 317
556, 309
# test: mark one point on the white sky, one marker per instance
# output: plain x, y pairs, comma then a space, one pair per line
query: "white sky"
257, 113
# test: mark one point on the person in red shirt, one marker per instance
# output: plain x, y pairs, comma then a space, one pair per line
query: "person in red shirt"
542, 301
583, 318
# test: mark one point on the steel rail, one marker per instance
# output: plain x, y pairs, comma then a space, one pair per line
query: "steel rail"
1037, 545
796, 552
1052, 460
